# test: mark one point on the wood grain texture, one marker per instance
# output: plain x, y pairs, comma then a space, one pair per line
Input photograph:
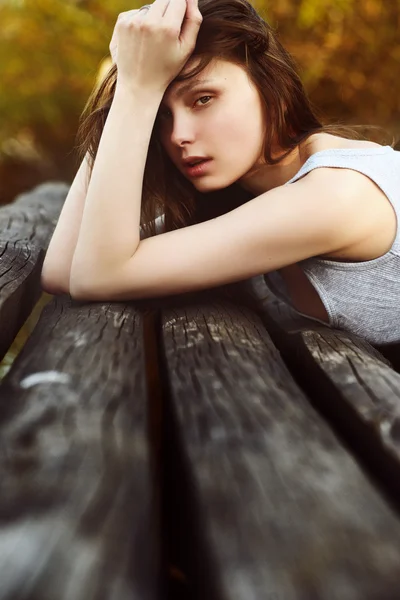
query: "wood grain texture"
273, 503
26, 227
32, 217
350, 382
79, 504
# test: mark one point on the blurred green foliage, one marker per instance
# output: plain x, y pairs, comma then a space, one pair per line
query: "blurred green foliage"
50, 54
53, 51
348, 52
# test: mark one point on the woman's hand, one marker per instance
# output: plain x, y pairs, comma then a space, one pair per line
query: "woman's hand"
114, 39
151, 46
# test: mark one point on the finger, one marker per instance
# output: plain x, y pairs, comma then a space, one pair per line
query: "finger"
158, 9
113, 51
175, 13
124, 16
113, 46
191, 24
121, 17
127, 13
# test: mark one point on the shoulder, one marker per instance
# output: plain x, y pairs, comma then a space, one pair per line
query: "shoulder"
351, 200
351, 190
336, 182
345, 177
326, 141
324, 183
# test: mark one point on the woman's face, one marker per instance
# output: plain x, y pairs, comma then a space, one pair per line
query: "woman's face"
221, 119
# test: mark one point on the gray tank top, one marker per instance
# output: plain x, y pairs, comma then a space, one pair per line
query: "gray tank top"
360, 297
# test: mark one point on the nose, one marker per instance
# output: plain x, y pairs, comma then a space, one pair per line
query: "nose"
182, 130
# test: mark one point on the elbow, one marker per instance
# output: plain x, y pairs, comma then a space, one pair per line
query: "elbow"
80, 286
87, 294
81, 295
50, 285
76, 290
81, 292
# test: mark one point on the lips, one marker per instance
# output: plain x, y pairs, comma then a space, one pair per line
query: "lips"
200, 169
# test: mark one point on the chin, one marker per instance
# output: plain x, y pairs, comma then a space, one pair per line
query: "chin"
212, 183
204, 187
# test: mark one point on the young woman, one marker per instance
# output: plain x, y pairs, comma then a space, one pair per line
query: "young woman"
276, 193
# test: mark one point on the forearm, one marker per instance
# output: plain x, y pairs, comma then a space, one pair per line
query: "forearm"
57, 264
109, 234
56, 270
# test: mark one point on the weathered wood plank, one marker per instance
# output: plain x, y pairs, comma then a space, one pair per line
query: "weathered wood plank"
79, 502
26, 227
270, 501
33, 215
350, 383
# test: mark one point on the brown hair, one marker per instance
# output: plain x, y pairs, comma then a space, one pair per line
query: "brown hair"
231, 30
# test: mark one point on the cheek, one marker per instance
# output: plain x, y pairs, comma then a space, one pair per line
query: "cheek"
243, 134
234, 133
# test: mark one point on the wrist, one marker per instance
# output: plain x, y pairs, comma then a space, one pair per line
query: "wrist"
132, 90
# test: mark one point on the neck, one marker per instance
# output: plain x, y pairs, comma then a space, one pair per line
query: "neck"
262, 177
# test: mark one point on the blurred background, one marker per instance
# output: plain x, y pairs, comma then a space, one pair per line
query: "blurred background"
52, 53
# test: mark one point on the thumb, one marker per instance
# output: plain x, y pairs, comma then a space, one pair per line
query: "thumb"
191, 23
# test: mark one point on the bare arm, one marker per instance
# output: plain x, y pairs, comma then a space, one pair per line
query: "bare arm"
110, 227
56, 270
322, 213
57, 264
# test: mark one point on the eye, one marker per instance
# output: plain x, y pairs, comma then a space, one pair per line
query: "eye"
164, 114
202, 98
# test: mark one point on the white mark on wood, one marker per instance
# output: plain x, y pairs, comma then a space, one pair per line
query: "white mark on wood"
44, 377
79, 338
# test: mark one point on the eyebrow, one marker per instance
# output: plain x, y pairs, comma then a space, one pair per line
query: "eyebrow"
191, 85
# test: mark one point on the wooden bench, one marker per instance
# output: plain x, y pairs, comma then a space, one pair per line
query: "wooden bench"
209, 445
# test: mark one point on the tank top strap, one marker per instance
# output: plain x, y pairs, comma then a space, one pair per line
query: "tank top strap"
337, 157
381, 164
